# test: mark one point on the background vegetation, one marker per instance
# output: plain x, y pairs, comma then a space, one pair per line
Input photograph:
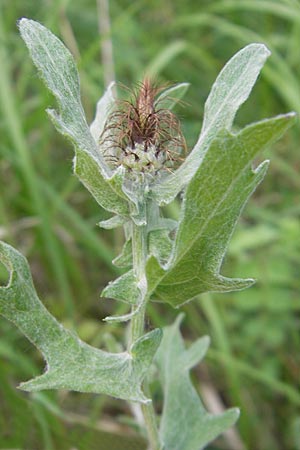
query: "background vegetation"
254, 360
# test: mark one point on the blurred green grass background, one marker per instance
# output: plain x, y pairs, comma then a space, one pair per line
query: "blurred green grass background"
254, 360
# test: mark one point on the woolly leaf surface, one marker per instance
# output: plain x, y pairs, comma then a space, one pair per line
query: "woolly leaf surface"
230, 90
71, 363
185, 423
58, 70
212, 204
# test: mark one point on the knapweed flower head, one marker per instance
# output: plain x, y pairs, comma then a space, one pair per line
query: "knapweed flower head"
142, 135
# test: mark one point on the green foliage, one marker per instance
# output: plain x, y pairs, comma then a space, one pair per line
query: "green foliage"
71, 364
212, 203
59, 72
124, 288
229, 92
185, 424
262, 317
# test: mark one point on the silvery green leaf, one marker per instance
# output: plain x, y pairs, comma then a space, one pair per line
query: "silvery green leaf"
160, 245
136, 194
103, 109
57, 68
71, 363
163, 223
124, 317
125, 258
108, 195
230, 90
113, 222
159, 242
185, 424
212, 204
171, 96
124, 288
160, 230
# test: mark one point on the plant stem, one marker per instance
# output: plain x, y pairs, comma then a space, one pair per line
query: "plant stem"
139, 252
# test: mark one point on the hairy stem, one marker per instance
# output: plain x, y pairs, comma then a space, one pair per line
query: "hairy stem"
139, 250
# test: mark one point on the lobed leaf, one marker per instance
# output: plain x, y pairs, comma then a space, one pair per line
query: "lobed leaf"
185, 424
58, 70
212, 204
71, 363
230, 90
113, 222
127, 288
125, 257
124, 288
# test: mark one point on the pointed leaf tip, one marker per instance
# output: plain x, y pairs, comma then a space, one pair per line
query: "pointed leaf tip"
57, 68
230, 90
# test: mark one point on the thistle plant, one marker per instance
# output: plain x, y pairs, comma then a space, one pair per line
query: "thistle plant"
133, 160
